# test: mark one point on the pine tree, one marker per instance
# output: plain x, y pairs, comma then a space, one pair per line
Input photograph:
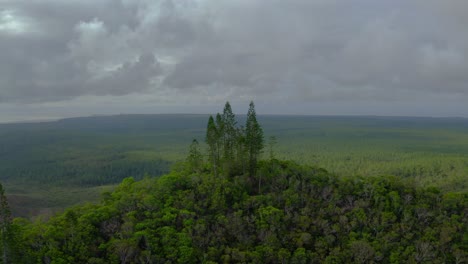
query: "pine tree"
271, 144
5, 223
240, 145
195, 158
212, 141
219, 138
229, 137
254, 139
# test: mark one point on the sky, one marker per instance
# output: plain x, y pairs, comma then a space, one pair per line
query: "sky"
313, 57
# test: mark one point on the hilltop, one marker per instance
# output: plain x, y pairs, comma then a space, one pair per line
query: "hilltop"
301, 215
48, 166
228, 208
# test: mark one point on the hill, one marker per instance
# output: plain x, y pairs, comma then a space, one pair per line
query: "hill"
233, 206
302, 214
51, 165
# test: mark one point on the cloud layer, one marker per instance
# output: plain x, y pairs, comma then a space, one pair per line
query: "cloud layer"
207, 50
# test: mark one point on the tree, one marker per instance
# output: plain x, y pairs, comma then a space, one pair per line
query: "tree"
253, 138
219, 136
229, 136
5, 223
234, 149
271, 144
195, 158
240, 147
212, 141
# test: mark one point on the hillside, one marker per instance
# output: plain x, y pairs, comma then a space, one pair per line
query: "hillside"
48, 166
302, 214
226, 204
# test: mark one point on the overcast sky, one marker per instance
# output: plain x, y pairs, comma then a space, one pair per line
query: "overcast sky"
61, 58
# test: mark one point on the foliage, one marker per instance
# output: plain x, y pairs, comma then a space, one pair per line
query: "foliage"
303, 215
5, 227
229, 136
254, 139
235, 143
213, 139
195, 158
283, 212
48, 166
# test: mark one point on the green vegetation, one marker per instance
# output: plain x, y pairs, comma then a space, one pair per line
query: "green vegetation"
235, 143
5, 227
219, 209
429, 151
254, 140
48, 166
302, 215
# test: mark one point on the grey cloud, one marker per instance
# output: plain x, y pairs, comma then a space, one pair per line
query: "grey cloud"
320, 50
316, 50
59, 80
204, 69
135, 77
74, 48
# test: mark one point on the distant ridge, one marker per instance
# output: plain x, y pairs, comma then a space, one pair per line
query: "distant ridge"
120, 116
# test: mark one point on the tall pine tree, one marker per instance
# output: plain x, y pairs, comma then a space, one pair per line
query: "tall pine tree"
254, 139
212, 141
241, 153
229, 137
234, 149
195, 157
219, 138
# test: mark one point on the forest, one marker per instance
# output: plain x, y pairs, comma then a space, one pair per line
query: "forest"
229, 203
48, 166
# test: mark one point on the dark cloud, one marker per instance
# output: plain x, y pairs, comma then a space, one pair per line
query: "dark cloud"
61, 50
298, 51
133, 77
324, 50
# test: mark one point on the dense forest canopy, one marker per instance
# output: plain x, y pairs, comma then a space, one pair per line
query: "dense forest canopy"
46, 167
212, 209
